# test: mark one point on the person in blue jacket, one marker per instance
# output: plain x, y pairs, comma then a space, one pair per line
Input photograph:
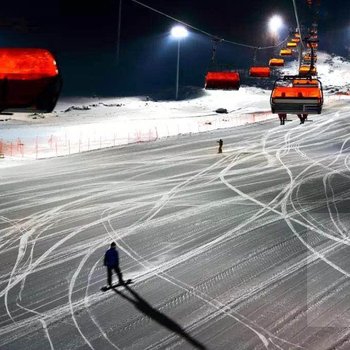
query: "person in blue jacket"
111, 261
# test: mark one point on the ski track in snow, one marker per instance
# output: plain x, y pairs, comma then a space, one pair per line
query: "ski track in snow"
159, 206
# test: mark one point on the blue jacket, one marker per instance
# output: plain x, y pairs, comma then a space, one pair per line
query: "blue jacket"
111, 258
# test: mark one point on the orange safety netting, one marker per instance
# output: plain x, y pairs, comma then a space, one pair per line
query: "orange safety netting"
222, 80
276, 62
260, 72
26, 63
296, 92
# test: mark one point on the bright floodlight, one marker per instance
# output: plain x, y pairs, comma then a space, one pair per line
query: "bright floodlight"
275, 24
179, 32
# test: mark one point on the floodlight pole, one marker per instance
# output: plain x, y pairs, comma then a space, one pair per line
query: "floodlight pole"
119, 29
177, 69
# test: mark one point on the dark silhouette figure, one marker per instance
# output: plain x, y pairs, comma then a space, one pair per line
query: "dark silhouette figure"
142, 305
111, 261
220, 142
282, 117
302, 118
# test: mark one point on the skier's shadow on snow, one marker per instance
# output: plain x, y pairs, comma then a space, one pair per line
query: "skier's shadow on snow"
142, 305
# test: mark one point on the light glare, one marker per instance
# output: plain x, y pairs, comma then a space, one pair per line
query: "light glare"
179, 32
275, 24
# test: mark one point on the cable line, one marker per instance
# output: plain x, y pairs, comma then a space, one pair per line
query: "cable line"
213, 37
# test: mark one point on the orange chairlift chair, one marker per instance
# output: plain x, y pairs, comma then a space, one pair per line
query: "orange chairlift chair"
258, 71
292, 44
289, 98
276, 62
307, 70
219, 78
29, 80
222, 80
286, 52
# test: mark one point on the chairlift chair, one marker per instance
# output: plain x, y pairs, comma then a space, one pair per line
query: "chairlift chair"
307, 70
289, 98
276, 62
260, 72
29, 80
222, 80
286, 52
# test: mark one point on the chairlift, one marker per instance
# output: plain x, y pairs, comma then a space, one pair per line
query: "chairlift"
276, 62
302, 82
286, 52
295, 40
291, 44
260, 72
307, 58
289, 98
307, 70
313, 45
220, 78
29, 80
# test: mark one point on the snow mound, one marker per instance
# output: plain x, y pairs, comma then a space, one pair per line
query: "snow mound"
333, 71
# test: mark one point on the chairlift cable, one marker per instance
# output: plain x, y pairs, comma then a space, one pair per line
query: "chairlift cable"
214, 37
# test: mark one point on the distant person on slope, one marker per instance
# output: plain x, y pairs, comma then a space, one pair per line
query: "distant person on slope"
220, 142
111, 261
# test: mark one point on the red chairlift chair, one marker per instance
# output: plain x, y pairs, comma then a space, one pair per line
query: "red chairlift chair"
260, 72
222, 80
29, 80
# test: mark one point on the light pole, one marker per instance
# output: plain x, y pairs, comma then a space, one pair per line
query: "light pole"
178, 32
119, 29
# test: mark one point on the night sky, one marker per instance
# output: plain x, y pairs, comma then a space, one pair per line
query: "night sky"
83, 35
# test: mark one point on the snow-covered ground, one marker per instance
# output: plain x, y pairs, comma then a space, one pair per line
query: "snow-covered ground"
83, 124
242, 250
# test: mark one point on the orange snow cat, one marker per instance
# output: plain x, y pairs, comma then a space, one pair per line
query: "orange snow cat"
29, 80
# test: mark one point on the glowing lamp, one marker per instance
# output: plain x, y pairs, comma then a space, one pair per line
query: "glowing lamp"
275, 24
179, 32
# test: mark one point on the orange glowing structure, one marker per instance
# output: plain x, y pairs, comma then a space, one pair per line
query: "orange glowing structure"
29, 80
260, 72
291, 44
222, 81
288, 98
305, 83
307, 70
286, 52
307, 58
312, 45
276, 62
297, 35
295, 40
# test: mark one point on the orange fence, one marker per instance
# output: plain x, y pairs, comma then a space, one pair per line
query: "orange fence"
64, 144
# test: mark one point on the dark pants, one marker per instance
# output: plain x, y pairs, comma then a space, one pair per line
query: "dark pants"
109, 274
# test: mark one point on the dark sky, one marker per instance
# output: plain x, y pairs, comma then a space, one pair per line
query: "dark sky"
83, 34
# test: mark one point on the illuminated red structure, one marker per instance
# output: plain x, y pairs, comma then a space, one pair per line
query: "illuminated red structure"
276, 62
29, 80
222, 81
260, 72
